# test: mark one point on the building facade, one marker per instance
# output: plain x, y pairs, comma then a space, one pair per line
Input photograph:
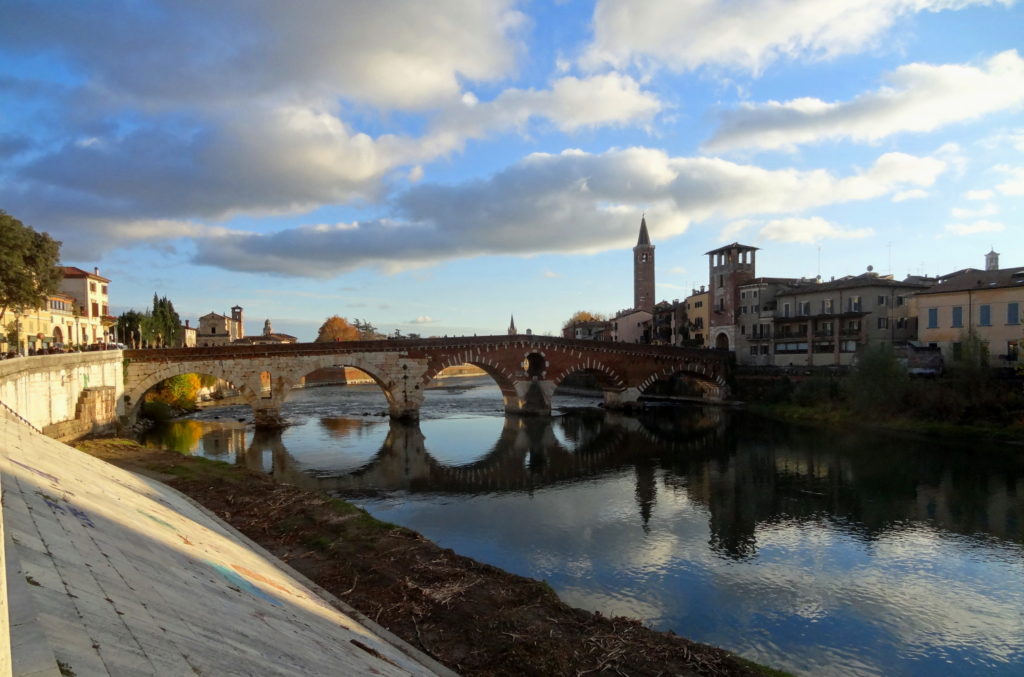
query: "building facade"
986, 303
643, 270
729, 268
697, 317
217, 330
91, 292
826, 324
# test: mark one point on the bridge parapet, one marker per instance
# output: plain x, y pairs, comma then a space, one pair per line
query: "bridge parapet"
527, 368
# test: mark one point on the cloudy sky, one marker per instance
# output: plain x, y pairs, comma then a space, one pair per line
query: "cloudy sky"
435, 167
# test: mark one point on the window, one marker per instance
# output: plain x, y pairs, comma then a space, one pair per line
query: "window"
721, 280
743, 294
104, 289
853, 304
213, 330
958, 316
985, 315
933, 318
1012, 351
785, 310
804, 307
1013, 313
881, 300
899, 300
95, 309
753, 350
92, 286
826, 306
883, 323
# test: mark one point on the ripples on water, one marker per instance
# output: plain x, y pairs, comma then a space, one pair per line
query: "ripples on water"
823, 555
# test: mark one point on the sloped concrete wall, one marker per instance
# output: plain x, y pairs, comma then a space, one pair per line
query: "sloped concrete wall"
47, 390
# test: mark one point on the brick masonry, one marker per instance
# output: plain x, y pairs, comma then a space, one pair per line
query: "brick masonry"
527, 369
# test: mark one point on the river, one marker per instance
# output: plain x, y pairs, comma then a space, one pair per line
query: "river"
818, 553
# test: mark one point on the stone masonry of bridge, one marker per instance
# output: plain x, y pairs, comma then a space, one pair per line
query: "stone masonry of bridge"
527, 369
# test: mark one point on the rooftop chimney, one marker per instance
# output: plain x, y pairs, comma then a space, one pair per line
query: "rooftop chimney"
96, 270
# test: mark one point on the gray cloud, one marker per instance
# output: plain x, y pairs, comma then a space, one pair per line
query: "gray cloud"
571, 202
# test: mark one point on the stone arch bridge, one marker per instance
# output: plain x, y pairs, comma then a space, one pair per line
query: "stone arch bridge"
527, 369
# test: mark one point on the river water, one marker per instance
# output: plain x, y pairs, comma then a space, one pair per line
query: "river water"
818, 553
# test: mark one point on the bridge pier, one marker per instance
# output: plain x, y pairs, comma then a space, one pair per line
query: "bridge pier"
532, 398
622, 399
268, 417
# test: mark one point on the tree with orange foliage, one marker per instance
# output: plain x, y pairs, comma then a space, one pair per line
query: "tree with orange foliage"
584, 316
336, 328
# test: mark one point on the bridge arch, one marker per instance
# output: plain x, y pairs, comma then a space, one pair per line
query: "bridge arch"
713, 385
607, 378
134, 397
353, 360
503, 376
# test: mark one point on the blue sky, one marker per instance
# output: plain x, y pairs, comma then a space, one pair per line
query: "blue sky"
437, 167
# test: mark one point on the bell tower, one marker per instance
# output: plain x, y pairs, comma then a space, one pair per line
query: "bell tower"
643, 270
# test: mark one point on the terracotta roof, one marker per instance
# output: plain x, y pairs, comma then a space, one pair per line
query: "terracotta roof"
851, 282
72, 271
972, 279
734, 245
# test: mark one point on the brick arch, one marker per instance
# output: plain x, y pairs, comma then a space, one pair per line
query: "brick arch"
497, 370
133, 399
706, 376
609, 378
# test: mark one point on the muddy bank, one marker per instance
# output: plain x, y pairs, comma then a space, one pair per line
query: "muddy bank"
474, 618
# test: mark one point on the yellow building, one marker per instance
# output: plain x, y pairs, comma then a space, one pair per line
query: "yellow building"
76, 316
988, 303
698, 316
91, 294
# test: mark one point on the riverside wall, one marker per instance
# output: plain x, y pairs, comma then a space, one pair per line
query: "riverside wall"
67, 396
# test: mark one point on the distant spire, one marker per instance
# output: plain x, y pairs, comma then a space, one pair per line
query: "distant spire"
512, 326
644, 239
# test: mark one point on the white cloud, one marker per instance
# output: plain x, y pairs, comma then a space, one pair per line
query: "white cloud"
423, 319
537, 206
744, 34
979, 194
987, 209
550, 274
913, 194
975, 227
809, 230
1015, 184
677, 270
385, 52
918, 98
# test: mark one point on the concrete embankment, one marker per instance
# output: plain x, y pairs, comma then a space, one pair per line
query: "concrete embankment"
107, 572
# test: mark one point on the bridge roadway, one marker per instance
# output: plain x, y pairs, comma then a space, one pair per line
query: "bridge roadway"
526, 368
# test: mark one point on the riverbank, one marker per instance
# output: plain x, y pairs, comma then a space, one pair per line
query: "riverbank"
474, 618
831, 416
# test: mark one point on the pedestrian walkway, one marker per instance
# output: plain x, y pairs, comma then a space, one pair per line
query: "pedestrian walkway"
110, 573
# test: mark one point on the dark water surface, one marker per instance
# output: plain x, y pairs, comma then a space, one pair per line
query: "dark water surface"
823, 554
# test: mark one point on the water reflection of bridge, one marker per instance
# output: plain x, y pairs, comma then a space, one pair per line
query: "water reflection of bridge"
747, 477
527, 455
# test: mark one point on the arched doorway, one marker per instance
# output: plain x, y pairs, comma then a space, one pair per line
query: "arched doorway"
722, 341
58, 337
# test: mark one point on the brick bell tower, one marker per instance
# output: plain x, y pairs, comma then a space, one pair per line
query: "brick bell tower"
643, 270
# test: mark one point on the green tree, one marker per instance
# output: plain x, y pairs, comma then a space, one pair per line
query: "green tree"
158, 326
28, 265
878, 384
367, 332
